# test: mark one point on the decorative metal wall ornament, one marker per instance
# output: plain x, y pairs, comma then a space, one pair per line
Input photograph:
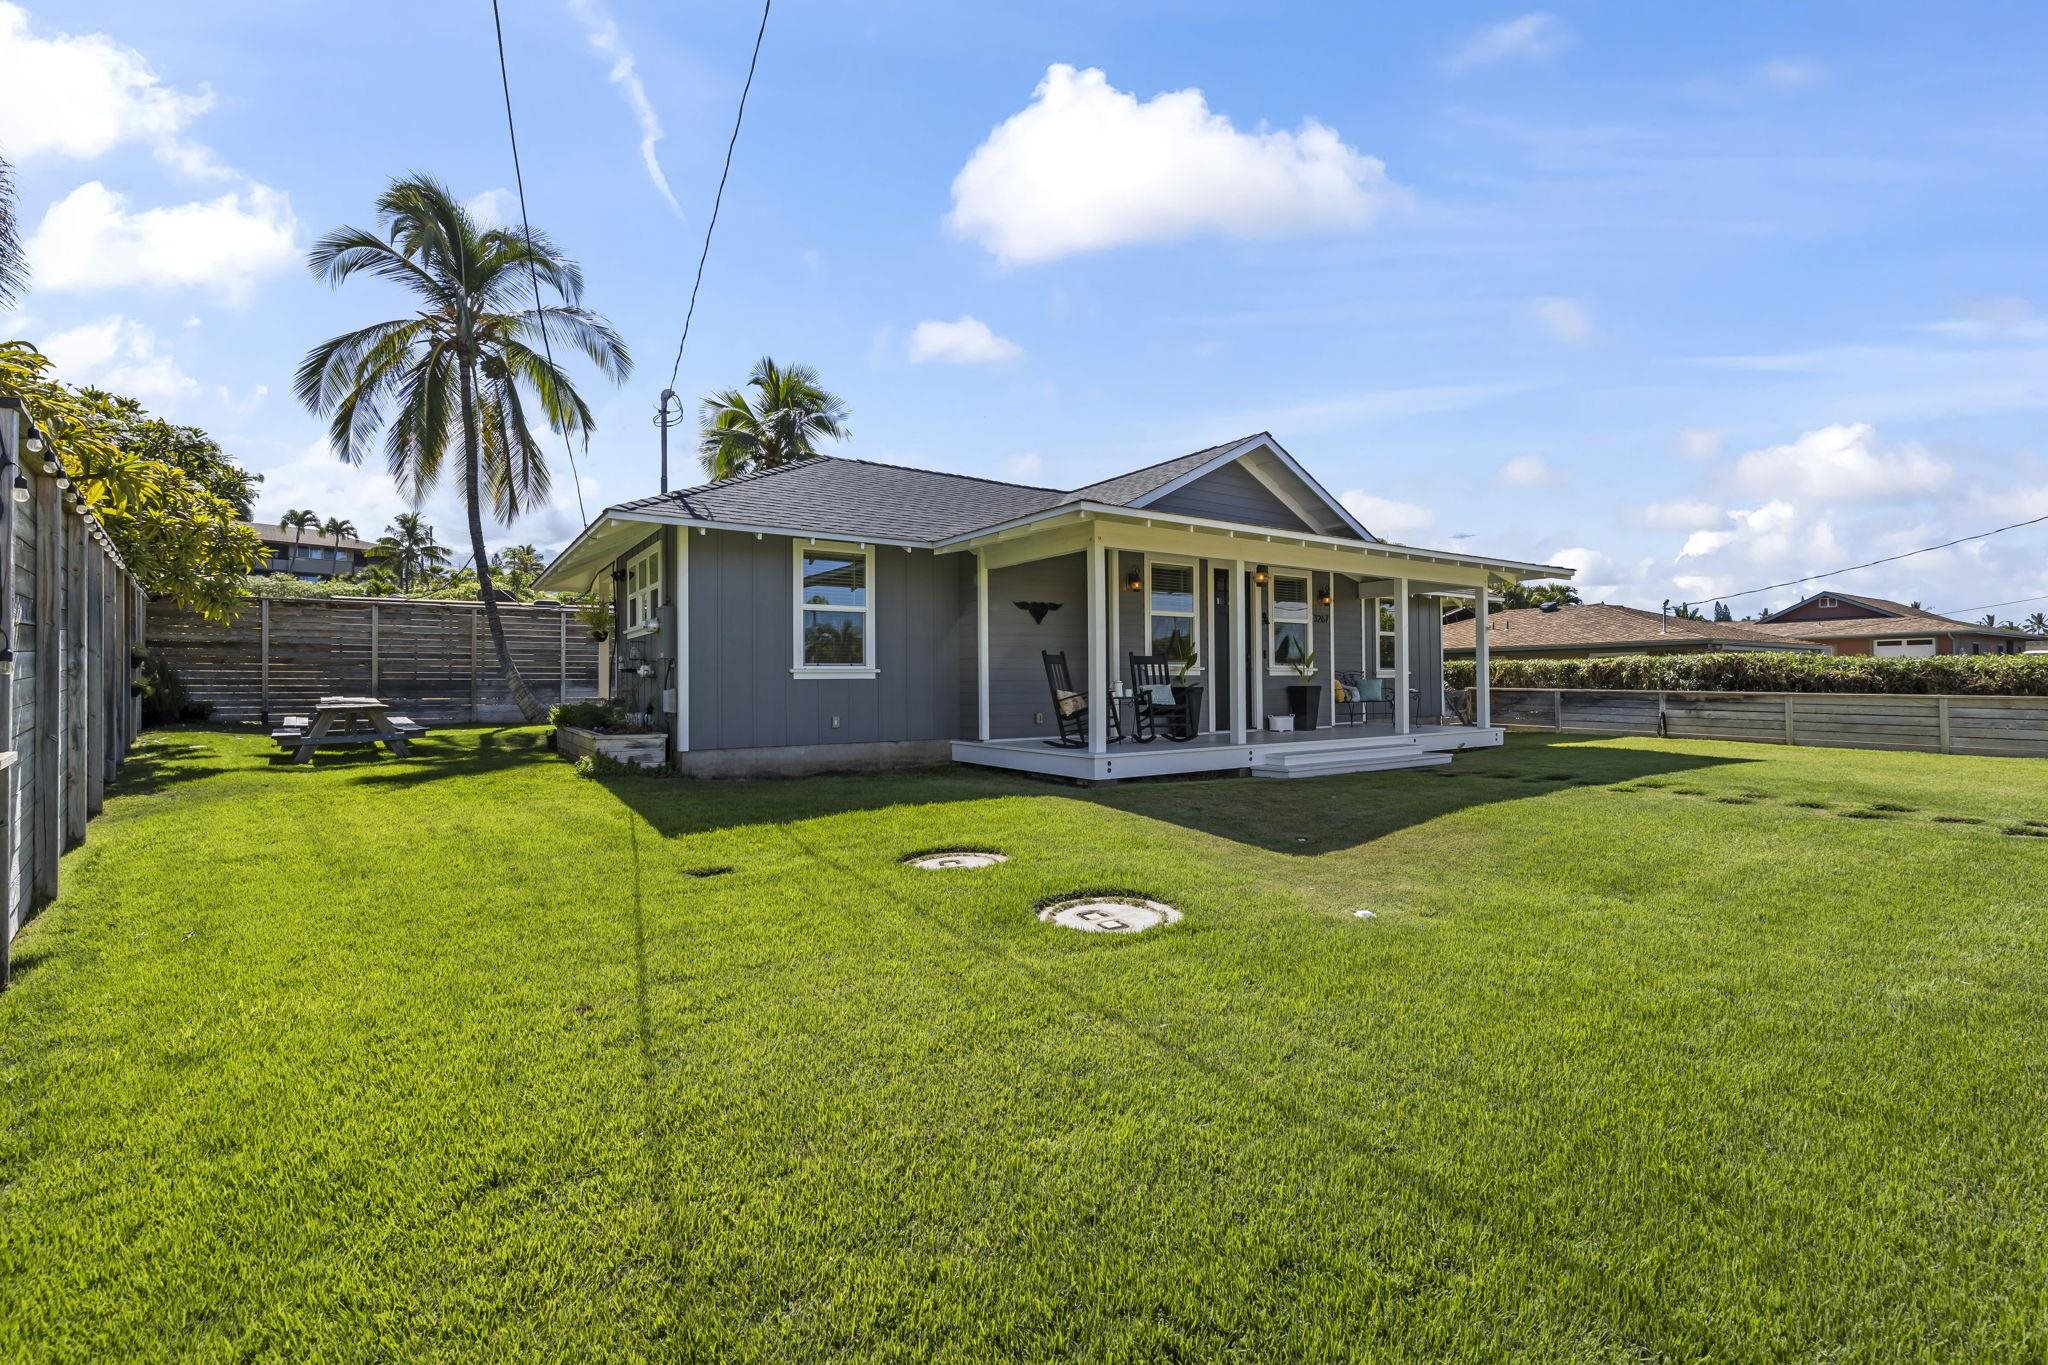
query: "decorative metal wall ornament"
1038, 610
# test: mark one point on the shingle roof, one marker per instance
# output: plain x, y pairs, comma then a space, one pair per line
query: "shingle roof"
838, 496
1881, 604
845, 497
1602, 626
1912, 622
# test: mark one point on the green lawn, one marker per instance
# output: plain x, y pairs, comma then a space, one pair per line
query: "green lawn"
1655, 1050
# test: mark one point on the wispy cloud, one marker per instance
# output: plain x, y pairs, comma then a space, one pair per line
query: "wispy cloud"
1567, 320
1533, 37
605, 40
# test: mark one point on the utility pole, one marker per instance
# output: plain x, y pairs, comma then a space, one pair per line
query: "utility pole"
664, 419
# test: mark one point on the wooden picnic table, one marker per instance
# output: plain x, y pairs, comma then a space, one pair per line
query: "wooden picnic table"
340, 721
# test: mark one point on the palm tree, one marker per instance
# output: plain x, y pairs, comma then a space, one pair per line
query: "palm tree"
13, 262
520, 564
408, 542
783, 424
338, 529
1990, 619
299, 520
1686, 611
2037, 624
457, 372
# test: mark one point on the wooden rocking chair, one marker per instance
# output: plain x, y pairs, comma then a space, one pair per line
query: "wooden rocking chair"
1070, 707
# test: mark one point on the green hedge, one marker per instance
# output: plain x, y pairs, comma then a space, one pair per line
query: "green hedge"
1997, 675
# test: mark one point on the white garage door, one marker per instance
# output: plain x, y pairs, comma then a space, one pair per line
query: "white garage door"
1903, 649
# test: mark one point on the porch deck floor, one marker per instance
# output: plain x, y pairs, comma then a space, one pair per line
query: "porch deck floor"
1215, 752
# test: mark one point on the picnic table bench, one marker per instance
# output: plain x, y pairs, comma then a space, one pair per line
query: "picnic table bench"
338, 722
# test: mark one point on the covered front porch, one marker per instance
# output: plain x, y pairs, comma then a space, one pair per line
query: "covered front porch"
1265, 623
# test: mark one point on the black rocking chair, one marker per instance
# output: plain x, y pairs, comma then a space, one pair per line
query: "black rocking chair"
1070, 707
1152, 680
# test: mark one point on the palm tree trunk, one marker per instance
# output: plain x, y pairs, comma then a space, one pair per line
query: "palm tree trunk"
472, 456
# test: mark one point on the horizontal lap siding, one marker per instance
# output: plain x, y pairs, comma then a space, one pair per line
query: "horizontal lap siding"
1018, 694
322, 647
743, 646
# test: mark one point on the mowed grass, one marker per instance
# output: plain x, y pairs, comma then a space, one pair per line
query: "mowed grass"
1658, 1050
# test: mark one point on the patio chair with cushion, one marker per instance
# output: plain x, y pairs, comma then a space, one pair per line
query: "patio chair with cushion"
1070, 706
1153, 701
1358, 694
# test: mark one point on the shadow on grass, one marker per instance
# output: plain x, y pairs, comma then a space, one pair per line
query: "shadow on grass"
471, 754
158, 765
1307, 816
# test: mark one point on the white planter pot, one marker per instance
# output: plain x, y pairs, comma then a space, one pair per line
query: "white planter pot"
1284, 723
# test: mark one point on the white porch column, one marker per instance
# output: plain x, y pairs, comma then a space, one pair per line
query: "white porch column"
1205, 629
681, 597
1401, 717
981, 642
1482, 680
1236, 647
1329, 658
1098, 648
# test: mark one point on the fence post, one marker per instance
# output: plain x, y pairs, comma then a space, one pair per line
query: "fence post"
1557, 710
1791, 735
46, 817
562, 656
473, 679
376, 662
13, 896
1941, 716
263, 687
78, 651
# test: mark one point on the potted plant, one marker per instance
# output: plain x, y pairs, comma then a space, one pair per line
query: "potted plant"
598, 617
1180, 650
1304, 699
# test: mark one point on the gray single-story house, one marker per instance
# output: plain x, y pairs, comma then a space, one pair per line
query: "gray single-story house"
837, 613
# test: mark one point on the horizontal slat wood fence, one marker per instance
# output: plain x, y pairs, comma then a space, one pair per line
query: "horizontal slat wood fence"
1955, 724
432, 661
75, 616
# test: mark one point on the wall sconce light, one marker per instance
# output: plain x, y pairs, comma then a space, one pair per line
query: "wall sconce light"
1259, 575
1323, 598
1134, 583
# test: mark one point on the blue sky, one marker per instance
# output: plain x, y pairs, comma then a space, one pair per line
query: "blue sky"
1694, 298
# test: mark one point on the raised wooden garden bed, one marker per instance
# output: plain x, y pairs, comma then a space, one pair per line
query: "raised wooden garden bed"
648, 751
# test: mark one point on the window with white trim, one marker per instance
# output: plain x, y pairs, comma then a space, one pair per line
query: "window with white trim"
1287, 621
1383, 637
1827, 602
643, 591
834, 610
1170, 608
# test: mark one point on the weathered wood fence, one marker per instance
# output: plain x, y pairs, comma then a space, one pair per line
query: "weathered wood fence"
432, 661
66, 664
2010, 726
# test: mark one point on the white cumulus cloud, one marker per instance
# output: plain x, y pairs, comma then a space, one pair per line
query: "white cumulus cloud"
1701, 443
1534, 37
493, 208
1566, 320
607, 42
1086, 166
1387, 518
119, 354
1528, 471
1680, 514
1843, 462
92, 239
963, 341
82, 95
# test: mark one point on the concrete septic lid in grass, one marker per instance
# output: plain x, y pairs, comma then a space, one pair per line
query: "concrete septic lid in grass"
1108, 914
955, 859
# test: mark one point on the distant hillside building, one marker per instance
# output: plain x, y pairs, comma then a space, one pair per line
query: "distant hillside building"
311, 555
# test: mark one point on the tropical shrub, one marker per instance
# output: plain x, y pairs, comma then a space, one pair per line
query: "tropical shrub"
605, 717
2007, 675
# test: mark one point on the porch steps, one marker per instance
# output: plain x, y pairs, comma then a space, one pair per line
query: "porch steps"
1314, 762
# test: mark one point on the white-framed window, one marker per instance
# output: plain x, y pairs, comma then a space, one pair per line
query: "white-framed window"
1903, 649
1173, 607
1383, 636
1826, 602
643, 591
835, 606
1289, 632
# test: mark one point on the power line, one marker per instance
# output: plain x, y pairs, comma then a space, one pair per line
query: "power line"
1991, 606
1871, 564
532, 270
719, 197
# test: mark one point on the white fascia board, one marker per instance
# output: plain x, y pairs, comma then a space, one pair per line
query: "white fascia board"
608, 522
1251, 535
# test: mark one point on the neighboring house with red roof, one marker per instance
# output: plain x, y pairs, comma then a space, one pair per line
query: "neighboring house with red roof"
1846, 623
1596, 629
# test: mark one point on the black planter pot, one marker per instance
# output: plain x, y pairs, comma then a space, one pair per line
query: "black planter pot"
1190, 696
1305, 703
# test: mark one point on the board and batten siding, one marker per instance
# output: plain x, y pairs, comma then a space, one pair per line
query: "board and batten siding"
742, 693
75, 617
1231, 493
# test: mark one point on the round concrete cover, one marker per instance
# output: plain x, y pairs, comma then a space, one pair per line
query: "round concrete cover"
963, 858
1100, 915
